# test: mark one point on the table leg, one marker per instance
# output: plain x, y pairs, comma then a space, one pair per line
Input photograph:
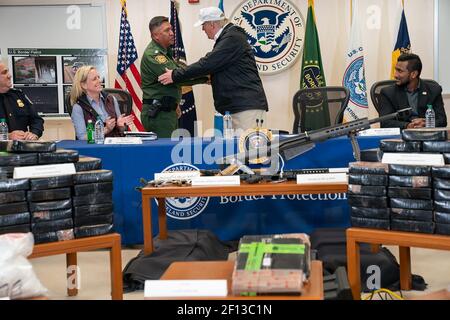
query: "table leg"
353, 267
115, 259
72, 274
405, 268
162, 218
147, 224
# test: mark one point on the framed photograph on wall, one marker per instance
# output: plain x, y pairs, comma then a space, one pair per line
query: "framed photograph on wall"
44, 98
71, 65
34, 70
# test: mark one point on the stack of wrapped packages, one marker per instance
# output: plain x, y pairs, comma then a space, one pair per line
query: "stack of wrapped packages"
50, 203
14, 213
271, 265
45, 206
92, 201
418, 196
367, 195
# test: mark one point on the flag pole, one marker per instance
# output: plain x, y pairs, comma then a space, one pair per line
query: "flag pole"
124, 6
311, 3
351, 11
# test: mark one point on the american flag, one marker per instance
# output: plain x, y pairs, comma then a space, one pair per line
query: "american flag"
128, 77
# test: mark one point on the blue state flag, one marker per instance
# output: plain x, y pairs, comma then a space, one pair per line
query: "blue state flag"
403, 44
187, 104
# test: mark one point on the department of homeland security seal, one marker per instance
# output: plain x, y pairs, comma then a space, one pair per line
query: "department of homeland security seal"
275, 29
184, 208
355, 81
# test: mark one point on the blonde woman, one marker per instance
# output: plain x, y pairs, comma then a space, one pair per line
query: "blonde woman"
89, 101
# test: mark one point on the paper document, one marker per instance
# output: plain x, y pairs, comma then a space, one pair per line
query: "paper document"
185, 288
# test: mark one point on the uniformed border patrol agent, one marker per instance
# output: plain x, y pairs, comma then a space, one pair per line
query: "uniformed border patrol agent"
160, 103
23, 121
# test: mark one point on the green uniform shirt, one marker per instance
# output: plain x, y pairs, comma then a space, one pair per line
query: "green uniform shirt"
154, 63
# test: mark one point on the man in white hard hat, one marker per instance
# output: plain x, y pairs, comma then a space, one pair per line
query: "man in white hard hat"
235, 81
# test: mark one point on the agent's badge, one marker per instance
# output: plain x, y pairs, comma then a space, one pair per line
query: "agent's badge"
20, 103
254, 139
161, 59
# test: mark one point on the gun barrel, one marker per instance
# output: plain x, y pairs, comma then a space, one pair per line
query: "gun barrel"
391, 115
297, 144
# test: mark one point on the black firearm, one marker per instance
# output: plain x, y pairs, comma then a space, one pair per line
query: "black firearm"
291, 146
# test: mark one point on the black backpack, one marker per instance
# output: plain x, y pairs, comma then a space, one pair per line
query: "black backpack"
181, 245
331, 243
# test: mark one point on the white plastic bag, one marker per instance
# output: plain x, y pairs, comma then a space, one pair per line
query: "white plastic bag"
17, 277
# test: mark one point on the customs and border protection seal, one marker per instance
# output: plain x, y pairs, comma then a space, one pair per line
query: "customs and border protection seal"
161, 59
184, 208
275, 30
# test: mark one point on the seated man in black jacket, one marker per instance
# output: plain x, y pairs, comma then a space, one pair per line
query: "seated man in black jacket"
411, 91
23, 121
235, 80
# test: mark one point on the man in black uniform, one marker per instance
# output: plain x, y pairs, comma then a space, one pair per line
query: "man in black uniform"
23, 121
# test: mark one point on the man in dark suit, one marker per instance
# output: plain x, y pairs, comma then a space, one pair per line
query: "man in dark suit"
411, 91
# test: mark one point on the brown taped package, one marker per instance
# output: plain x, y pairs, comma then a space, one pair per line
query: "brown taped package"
279, 272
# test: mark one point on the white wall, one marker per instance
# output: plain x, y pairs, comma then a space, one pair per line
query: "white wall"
444, 45
333, 21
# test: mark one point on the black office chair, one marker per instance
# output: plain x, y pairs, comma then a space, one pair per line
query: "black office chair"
67, 105
325, 104
123, 98
376, 88
375, 92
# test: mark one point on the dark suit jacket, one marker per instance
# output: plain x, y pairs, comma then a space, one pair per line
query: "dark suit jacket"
20, 113
394, 98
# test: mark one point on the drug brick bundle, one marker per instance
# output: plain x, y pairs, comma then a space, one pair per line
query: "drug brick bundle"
45, 205
92, 201
419, 195
14, 212
441, 184
411, 187
367, 195
410, 198
271, 264
50, 202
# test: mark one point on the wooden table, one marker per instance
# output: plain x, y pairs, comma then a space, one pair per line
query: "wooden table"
71, 247
214, 270
245, 189
404, 240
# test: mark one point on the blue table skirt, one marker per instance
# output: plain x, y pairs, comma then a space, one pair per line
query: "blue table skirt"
228, 217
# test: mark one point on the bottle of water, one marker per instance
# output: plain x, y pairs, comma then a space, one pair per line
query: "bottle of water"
227, 126
3, 129
430, 117
90, 132
99, 134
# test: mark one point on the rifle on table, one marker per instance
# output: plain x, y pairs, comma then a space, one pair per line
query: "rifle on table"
294, 145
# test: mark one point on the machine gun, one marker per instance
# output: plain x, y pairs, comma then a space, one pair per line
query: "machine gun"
294, 145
